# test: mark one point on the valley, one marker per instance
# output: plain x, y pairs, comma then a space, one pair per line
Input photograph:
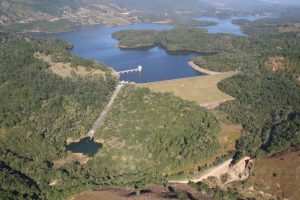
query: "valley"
213, 113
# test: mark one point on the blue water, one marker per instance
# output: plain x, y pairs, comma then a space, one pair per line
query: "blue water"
225, 25
95, 42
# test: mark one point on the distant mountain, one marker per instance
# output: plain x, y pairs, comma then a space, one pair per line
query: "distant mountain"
240, 4
113, 12
67, 13
75, 10
175, 6
284, 2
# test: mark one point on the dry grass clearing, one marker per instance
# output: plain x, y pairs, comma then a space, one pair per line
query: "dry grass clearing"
65, 70
78, 157
98, 195
153, 192
228, 136
276, 63
277, 175
290, 28
202, 89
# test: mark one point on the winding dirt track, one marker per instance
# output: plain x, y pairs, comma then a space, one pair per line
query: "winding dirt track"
215, 172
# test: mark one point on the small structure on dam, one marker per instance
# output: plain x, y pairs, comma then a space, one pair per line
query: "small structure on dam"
138, 69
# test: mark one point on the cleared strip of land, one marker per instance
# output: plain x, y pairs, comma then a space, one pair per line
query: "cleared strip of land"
202, 89
200, 69
104, 113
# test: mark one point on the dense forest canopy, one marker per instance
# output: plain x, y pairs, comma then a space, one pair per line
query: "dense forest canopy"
267, 105
156, 132
40, 110
233, 52
147, 137
269, 26
267, 96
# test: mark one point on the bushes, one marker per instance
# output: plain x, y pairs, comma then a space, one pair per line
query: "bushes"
232, 52
38, 111
216, 192
146, 134
154, 133
224, 62
268, 107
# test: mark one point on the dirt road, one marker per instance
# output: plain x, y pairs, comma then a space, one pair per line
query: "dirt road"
238, 172
104, 113
215, 171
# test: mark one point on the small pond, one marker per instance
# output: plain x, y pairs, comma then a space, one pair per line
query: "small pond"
85, 146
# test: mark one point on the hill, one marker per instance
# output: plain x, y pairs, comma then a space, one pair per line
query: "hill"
18, 15
50, 97
27, 15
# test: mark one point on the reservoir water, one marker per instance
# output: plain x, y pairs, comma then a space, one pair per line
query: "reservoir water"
95, 42
226, 25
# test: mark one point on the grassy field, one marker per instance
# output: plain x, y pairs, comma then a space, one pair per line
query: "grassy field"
203, 89
277, 175
65, 69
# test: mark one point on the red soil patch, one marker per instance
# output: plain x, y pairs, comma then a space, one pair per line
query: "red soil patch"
155, 192
278, 175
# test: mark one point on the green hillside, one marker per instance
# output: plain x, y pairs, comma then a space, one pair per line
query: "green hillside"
38, 111
146, 136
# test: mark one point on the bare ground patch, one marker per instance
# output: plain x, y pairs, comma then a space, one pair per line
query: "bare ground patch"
154, 192
65, 69
290, 28
276, 63
237, 172
202, 70
77, 157
277, 175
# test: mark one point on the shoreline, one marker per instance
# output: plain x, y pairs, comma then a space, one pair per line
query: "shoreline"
167, 50
202, 70
71, 28
133, 48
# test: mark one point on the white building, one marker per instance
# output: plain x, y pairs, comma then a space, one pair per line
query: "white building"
140, 68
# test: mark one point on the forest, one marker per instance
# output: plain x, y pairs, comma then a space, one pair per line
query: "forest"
147, 137
40, 110
174, 134
269, 26
267, 104
56, 26
190, 23
225, 52
267, 98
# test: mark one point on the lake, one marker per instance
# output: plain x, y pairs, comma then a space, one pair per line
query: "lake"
95, 42
225, 25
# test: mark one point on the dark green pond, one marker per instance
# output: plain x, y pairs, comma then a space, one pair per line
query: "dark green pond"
85, 146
